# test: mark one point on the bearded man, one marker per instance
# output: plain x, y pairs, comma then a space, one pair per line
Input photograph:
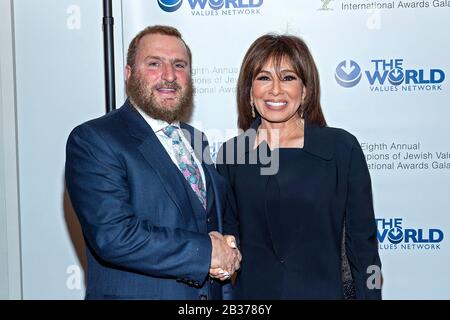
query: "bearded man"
149, 200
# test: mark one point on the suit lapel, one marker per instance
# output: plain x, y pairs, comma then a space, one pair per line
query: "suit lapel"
157, 157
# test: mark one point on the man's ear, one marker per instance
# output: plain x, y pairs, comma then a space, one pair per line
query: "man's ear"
127, 72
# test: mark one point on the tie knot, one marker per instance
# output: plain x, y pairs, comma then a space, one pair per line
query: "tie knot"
170, 131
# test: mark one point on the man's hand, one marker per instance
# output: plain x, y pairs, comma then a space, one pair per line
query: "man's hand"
225, 258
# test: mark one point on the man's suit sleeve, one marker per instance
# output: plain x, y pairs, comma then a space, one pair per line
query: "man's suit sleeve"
96, 180
361, 232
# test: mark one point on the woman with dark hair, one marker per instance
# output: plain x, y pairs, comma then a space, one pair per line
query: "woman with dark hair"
294, 214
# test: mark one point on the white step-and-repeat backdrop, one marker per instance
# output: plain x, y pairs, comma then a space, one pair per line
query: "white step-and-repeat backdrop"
384, 71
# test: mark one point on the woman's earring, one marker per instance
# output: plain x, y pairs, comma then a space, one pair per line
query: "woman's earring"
253, 110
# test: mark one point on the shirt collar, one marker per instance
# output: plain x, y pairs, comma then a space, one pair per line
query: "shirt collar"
156, 124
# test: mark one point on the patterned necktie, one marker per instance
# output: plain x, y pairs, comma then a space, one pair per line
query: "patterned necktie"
186, 163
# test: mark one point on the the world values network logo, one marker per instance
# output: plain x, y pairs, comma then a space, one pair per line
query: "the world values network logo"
214, 7
392, 235
389, 75
170, 5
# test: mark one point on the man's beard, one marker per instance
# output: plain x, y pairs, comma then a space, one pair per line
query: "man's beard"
142, 95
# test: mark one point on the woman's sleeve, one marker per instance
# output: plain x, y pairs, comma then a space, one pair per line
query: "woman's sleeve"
226, 169
361, 231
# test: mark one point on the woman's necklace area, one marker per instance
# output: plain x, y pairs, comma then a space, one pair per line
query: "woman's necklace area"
275, 136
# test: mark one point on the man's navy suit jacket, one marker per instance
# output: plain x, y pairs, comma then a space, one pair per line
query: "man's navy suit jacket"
144, 239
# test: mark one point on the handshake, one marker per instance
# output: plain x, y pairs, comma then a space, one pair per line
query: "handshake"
225, 258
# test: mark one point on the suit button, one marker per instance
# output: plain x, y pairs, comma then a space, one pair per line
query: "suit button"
208, 220
203, 297
282, 260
